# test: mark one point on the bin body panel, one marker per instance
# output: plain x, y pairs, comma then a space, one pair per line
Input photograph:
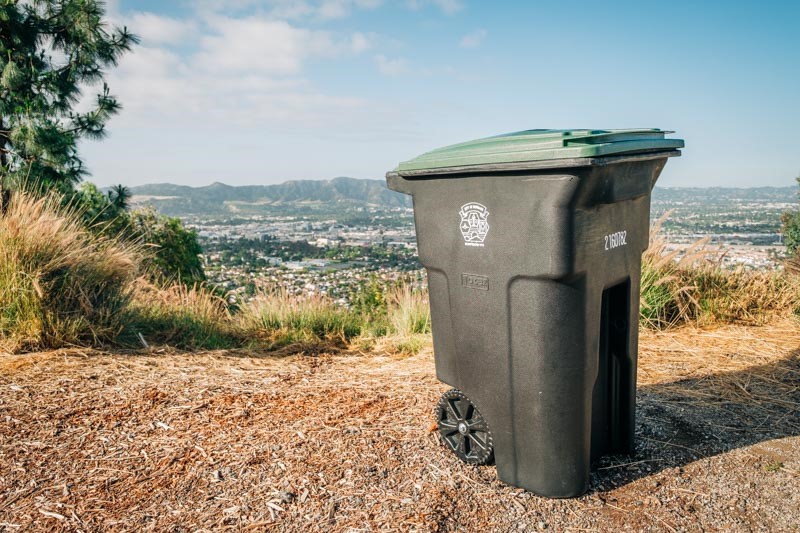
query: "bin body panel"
549, 376
444, 342
534, 293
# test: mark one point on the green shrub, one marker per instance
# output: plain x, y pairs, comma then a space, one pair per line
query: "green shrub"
369, 298
173, 252
790, 223
657, 307
790, 227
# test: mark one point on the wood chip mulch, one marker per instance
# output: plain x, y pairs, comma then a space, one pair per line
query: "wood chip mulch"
244, 441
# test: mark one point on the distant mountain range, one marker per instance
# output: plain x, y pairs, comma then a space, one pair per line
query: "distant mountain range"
221, 199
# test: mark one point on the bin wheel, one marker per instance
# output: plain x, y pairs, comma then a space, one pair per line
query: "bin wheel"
463, 429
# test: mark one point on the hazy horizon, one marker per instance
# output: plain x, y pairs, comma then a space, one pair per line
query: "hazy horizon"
279, 182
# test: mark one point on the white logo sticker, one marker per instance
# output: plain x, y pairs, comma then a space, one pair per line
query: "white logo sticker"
474, 223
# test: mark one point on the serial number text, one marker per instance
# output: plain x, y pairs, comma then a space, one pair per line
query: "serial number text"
615, 240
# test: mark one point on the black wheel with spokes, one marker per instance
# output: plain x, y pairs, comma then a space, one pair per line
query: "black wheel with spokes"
463, 429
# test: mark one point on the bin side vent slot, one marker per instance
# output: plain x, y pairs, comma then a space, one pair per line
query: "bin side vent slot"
614, 373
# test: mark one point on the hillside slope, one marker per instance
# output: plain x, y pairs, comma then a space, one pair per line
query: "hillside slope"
207, 441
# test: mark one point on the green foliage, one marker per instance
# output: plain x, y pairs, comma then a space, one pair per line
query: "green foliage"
659, 305
791, 231
99, 213
370, 298
171, 250
790, 222
49, 51
174, 249
119, 196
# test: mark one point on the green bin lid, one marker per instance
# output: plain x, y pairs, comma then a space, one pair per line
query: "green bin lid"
541, 145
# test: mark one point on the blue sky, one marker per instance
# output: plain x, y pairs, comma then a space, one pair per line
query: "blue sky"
262, 91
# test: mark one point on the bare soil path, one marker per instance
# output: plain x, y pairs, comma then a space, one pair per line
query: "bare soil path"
245, 441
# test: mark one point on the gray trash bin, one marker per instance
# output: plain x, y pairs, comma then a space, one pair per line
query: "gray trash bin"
533, 242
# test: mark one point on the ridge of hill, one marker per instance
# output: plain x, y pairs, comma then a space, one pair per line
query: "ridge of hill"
342, 192
219, 197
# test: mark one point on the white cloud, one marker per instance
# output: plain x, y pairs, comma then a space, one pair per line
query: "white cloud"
231, 6
448, 7
337, 9
230, 73
291, 9
243, 72
156, 87
260, 45
360, 42
269, 46
237, 69
392, 67
474, 39
149, 62
334, 9
156, 29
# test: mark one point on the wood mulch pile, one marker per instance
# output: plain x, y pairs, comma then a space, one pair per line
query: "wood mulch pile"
246, 441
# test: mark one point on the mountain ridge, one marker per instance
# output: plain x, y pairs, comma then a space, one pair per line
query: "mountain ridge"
219, 197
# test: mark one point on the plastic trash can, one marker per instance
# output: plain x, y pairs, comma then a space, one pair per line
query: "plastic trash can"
532, 242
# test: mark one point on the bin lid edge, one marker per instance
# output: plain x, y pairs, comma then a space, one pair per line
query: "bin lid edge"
534, 165
542, 145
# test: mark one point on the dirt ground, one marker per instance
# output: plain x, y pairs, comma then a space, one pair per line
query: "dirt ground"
245, 441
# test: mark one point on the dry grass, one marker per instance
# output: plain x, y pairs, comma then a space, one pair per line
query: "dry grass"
691, 287
792, 266
279, 319
754, 366
408, 323
186, 317
408, 311
276, 319
59, 285
233, 440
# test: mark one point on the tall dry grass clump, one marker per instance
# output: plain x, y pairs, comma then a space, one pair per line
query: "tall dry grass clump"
691, 286
183, 316
408, 311
59, 284
408, 320
279, 319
